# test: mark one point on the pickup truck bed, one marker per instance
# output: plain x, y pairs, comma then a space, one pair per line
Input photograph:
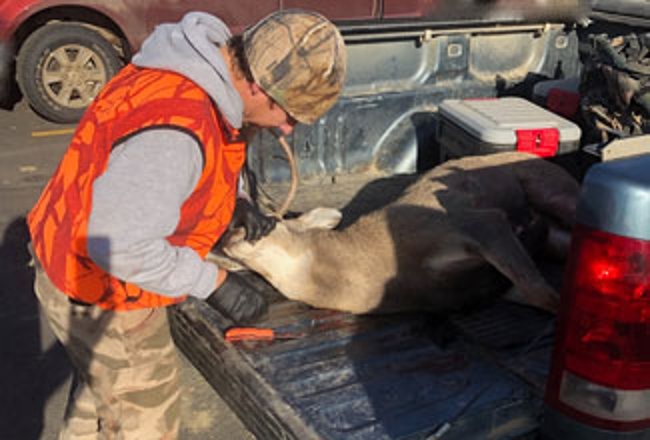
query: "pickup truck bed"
402, 376
479, 374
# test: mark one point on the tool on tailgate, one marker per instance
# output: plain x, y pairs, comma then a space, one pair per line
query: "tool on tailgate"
234, 334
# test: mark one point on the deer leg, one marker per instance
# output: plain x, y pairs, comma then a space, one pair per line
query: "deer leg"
550, 190
496, 242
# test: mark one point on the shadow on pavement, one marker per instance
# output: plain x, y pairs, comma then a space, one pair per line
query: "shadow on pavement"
31, 367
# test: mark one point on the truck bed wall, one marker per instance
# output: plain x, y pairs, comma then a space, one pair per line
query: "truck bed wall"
386, 118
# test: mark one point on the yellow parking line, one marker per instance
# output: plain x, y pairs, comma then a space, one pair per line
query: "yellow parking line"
59, 132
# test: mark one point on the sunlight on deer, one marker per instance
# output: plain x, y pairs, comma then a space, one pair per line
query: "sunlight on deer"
462, 234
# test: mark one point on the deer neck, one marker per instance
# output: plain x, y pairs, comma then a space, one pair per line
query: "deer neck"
333, 273
314, 267
286, 261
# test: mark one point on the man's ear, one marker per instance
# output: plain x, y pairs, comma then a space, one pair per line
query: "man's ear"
255, 89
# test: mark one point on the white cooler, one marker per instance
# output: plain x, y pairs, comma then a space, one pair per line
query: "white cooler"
482, 126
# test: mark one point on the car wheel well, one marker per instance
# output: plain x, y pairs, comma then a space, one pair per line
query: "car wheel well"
86, 17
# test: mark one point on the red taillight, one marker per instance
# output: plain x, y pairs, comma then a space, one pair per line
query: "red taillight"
601, 363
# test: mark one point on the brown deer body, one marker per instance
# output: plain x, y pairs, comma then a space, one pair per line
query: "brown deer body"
457, 235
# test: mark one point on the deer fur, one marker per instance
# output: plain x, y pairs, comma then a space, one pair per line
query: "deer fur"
461, 233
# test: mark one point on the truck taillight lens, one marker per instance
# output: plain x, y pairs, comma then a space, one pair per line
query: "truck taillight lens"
601, 363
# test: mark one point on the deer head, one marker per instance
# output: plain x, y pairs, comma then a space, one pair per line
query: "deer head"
282, 257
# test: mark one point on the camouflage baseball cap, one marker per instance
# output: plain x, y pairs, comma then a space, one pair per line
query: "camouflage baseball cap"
298, 58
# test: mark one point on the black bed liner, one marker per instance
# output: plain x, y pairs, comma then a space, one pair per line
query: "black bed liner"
475, 375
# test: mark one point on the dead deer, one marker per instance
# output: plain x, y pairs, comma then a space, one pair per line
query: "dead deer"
460, 234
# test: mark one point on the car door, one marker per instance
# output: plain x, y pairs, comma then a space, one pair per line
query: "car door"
349, 10
236, 14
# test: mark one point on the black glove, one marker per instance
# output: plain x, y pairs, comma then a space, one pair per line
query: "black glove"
238, 300
256, 224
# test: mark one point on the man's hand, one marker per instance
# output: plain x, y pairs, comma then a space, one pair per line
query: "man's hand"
254, 222
238, 300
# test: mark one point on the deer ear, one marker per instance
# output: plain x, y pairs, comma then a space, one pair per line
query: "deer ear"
321, 218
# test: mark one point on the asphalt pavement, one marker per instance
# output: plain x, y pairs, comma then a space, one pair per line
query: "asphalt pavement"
34, 370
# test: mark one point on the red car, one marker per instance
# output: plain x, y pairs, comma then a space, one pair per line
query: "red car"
63, 52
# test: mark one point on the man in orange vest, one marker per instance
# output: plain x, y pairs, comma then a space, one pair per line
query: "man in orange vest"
146, 188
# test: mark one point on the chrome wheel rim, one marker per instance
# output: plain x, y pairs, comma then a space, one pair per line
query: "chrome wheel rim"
72, 75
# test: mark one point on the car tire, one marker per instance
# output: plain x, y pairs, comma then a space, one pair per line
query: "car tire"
61, 67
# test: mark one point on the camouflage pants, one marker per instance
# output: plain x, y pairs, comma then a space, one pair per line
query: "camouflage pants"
126, 384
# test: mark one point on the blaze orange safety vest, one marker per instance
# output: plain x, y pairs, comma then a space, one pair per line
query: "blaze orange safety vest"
135, 99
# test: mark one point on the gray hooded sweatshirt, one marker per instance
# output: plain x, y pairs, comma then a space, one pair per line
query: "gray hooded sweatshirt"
137, 201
